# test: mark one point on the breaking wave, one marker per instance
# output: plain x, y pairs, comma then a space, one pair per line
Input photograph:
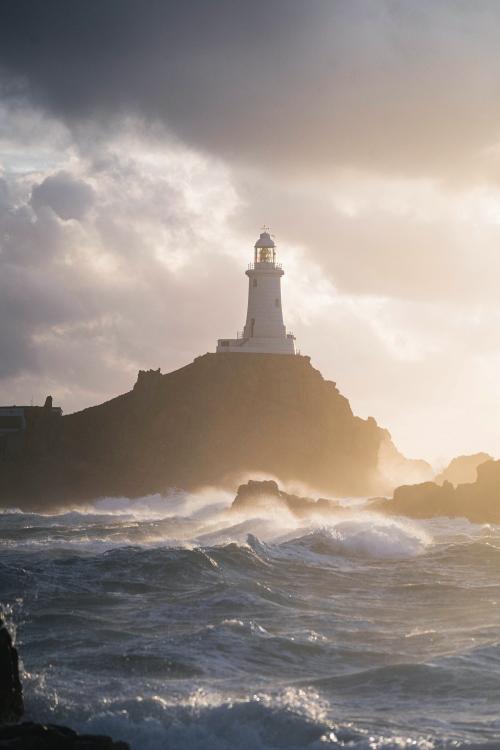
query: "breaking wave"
176, 622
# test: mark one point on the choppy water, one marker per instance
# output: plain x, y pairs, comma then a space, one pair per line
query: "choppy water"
174, 624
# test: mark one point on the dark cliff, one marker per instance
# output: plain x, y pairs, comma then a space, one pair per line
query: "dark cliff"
207, 423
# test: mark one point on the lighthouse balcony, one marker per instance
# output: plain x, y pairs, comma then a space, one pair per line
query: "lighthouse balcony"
258, 345
265, 266
227, 345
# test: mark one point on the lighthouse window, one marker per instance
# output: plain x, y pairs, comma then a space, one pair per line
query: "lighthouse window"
277, 302
255, 282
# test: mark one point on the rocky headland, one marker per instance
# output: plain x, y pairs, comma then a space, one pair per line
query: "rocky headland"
219, 418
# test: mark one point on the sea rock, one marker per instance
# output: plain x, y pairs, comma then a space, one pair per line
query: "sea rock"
254, 491
29, 736
257, 494
478, 501
206, 424
423, 500
462, 469
11, 694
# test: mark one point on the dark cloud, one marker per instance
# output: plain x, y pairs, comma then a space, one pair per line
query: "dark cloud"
287, 84
68, 197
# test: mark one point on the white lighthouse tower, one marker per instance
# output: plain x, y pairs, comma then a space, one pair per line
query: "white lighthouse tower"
264, 330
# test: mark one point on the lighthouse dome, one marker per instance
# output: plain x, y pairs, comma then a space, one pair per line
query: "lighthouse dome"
264, 241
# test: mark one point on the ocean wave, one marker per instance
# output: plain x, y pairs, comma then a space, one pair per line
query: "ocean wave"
371, 537
195, 627
292, 719
440, 681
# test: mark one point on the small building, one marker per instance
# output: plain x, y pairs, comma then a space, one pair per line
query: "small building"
14, 419
264, 331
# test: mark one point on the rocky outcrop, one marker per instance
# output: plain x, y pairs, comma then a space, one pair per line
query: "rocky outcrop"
462, 469
479, 501
148, 379
209, 423
11, 694
29, 736
264, 494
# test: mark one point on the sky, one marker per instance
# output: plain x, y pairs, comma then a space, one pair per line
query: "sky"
143, 145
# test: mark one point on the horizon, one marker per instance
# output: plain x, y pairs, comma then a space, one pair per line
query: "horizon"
132, 188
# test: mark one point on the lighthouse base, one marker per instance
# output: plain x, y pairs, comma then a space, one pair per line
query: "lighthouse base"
258, 345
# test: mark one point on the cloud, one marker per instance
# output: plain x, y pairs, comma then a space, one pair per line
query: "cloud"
85, 303
409, 240
393, 88
67, 196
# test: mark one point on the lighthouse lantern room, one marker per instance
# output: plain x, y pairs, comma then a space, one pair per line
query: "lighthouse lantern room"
264, 330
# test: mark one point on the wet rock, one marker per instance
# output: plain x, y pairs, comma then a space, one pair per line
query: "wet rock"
29, 736
253, 491
11, 694
260, 494
32, 736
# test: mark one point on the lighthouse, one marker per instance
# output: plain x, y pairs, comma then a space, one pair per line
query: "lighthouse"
264, 330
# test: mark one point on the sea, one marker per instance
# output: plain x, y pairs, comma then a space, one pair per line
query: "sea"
175, 623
